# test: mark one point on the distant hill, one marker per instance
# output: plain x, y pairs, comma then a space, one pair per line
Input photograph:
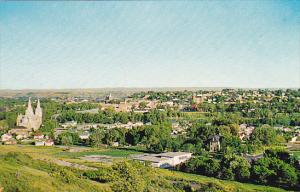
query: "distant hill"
97, 92
101, 92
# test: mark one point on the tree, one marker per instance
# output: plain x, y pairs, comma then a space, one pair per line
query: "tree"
203, 165
11, 119
96, 138
235, 167
212, 167
265, 135
157, 138
261, 172
68, 138
48, 127
274, 171
3, 126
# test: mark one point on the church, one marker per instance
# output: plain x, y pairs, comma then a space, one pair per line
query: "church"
31, 120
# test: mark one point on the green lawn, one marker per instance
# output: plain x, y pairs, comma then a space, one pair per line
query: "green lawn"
109, 152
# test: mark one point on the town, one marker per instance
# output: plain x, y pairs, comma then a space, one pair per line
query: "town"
174, 130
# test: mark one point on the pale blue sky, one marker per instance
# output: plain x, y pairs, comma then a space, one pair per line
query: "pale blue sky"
149, 44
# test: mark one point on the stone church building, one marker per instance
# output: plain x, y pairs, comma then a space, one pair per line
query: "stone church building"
31, 120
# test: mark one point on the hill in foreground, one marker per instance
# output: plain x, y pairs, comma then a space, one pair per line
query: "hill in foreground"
24, 170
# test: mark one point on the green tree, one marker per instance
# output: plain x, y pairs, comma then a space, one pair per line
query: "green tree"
68, 138
11, 119
235, 167
274, 171
96, 138
265, 135
48, 127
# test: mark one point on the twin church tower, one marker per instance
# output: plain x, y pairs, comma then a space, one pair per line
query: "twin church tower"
31, 120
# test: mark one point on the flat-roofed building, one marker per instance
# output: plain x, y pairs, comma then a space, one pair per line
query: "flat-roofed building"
164, 160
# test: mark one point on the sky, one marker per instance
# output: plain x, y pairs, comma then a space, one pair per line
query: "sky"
96, 44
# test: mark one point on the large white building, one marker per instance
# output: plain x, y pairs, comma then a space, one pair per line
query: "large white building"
31, 120
164, 160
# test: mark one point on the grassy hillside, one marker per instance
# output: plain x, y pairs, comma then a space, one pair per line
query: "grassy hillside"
15, 176
30, 169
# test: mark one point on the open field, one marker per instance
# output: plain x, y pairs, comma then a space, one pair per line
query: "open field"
108, 152
33, 176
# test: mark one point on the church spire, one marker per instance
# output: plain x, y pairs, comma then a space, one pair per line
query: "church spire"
29, 103
38, 110
38, 104
29, 110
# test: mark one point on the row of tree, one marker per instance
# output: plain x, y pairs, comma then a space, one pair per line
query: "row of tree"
110, 116
277, 168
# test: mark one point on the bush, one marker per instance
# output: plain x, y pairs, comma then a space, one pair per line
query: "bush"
65, 175
128, 178
101, 175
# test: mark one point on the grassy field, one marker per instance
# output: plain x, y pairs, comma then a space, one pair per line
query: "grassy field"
109, 152
37, 177
228, 185
34, 177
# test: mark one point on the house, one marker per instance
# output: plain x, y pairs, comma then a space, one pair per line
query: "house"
286, 129
10, 142
138, 124
294, 139
115, 144
39, 143
19, 131
164, 160
84, 135
168, 103
21, 136
38, 137
6, 137
123, 107
49, 142
69, 124
245, 131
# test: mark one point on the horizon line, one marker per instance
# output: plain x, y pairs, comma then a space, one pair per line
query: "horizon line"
154, 87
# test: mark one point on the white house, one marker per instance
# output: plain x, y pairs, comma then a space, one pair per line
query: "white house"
84, 135
21, 136
69, 124
115, 144
164, 160
49, 142
10, 142
38, 137
6, 137
39, 143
